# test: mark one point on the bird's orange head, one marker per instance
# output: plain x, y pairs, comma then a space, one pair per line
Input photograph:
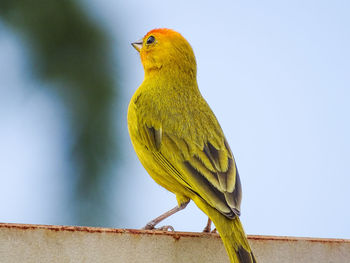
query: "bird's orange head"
166, 50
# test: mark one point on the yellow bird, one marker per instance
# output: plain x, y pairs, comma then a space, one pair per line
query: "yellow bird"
179, 141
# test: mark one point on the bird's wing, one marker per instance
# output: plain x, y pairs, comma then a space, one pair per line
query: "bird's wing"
208, 171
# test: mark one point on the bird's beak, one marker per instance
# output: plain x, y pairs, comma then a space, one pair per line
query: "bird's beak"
137, 45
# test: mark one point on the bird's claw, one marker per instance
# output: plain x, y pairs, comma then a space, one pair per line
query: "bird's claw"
207, 229
166, 228
149, 226
162, 228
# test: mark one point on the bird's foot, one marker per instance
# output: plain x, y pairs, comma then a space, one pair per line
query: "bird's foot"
214, 231
150, 226
207, 229
165, 228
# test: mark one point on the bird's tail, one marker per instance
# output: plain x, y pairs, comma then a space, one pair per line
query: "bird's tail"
233, 236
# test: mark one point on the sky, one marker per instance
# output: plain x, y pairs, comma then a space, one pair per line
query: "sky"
275, 73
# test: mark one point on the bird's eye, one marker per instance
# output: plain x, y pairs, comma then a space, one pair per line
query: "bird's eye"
150, 40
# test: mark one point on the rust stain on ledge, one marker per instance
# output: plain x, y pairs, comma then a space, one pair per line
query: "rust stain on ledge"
294, 239
176, 235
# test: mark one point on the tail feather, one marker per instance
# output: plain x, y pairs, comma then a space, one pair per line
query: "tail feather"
233, 236
234, 239
245, 256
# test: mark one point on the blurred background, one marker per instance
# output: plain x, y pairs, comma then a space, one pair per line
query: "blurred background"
275, 73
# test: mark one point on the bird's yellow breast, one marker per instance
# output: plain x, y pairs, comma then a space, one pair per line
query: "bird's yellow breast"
137, 121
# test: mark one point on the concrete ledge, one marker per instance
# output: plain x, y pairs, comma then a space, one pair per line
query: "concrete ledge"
39, 243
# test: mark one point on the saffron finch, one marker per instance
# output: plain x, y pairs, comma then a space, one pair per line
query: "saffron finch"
179, 141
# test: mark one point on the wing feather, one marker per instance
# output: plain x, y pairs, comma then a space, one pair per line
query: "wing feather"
208, 171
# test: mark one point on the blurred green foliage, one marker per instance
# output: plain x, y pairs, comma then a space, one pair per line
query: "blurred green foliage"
69, 50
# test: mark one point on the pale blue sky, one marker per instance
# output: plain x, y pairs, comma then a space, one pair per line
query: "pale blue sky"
275, 73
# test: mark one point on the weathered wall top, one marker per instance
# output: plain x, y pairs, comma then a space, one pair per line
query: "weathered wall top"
38, 243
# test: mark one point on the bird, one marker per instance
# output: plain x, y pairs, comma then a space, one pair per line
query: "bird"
180, 142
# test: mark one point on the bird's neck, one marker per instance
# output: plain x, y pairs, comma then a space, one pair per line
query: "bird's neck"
177, 78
